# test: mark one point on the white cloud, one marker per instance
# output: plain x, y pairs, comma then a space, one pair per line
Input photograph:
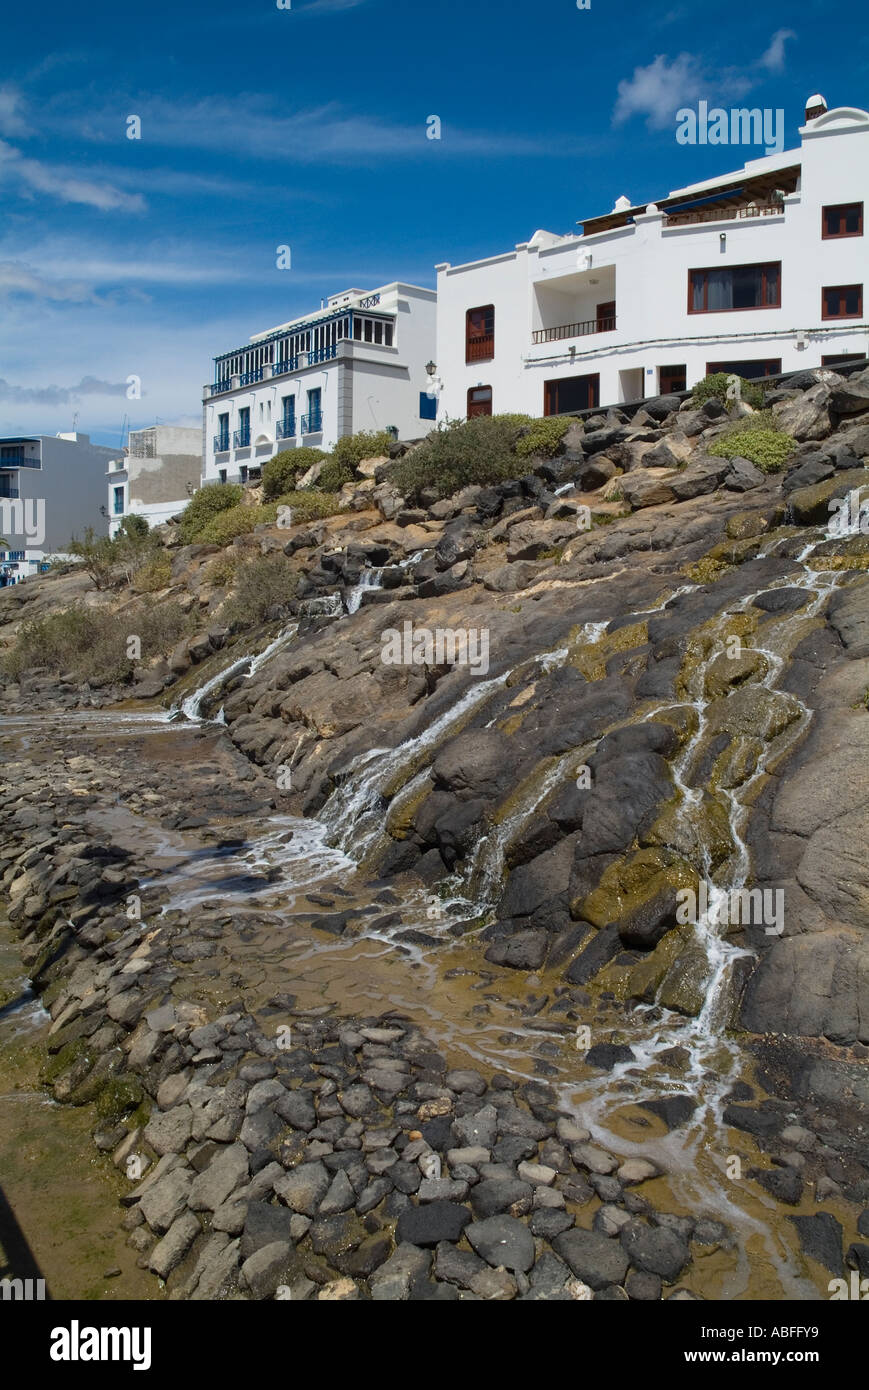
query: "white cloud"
18, 278
12, 121
658, 90
62, 185
59, 395
774, 57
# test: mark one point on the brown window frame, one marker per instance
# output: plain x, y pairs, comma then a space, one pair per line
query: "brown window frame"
841, 290
472, 413
840, 208
741, 309
551, 390
487, 336
832, 359
605, 318
712, 368
668, 371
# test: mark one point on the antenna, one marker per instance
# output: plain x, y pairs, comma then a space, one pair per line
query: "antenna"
74, 421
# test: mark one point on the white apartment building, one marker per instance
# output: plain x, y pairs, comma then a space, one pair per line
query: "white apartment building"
758, 272
358, 363
156, 476
51, 488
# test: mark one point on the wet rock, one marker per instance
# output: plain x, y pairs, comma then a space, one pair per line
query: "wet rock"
428, 1225
503, 1242
821, 1238
594, 1258
655, 1251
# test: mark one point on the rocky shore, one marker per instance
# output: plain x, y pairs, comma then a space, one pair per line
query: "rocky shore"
675, 695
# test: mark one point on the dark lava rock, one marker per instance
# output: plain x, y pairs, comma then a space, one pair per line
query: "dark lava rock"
821, 1238
655, 1250
608, 1055
428, 1225
595, 1259
502, 1240
785, 1184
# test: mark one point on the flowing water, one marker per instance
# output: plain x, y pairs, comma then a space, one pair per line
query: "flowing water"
478, 1016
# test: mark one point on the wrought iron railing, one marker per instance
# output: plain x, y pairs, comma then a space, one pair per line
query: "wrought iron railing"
248, 378
286, 429
574, 330
241, 438
289, 364
221, 443
218, 387
313, 422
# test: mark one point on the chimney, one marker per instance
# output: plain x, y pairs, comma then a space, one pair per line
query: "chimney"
815, 106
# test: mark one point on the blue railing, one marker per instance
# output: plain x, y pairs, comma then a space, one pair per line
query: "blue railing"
221, 443
19, 460
286, 429
218, 387
247, 378
312, 423
288, 365
241, 438
9, 492
324, 354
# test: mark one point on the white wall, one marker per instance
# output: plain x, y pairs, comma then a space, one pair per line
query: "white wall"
644, 267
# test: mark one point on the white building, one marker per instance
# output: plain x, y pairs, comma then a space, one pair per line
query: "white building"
51, 489
357, 363
759, 271
156, 476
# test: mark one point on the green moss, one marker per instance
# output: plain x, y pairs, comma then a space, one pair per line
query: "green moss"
120, 1095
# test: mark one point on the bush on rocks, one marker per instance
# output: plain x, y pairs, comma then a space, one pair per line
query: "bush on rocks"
204, 505
91, 644
755, 438
365, 444
715, 385
458, 454
309, 504
543, 438
281, 472
261, 584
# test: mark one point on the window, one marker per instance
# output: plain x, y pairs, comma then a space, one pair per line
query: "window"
312, 423
287, 426
387, 335
480, 334
242, 473
606, 316
672, 379
832, 359
242, 434
479, 401
741, 287
842, 302
769, 366
118, 501
428, 406
571, 393
378, 331
221, 473
222, 432
844, 219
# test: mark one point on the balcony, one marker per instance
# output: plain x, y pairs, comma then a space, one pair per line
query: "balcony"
480, 349
324, 354
218, 387
249, 378
241, 438
16, 458
9, 492
221, 443
604, 324
699, 215
289, 364
313, 423
286, 429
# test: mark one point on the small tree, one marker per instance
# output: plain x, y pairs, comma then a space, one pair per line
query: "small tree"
97, 554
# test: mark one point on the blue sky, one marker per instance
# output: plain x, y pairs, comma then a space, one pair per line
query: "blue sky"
306, 127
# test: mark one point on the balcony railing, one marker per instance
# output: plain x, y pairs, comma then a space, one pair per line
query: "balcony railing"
687, 219
324, 354
241, 438
19, 459
480, 349
574, 330
9, 492
221, 443
248, 378
286, 429
289, 364
369, 302
218, 387
312, 423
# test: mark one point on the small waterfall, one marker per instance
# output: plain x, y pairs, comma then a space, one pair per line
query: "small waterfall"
323, 606
192, 706
371, 579
851, 516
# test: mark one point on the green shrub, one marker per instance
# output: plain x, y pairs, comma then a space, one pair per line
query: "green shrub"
769, 449
205, 504
154, 575
334, 474
265, 582
97, 554
220, 571
457, 454
91, 644
716, 385
365, 444
543, 439
133, 526
281, 472
226, 525
310, 505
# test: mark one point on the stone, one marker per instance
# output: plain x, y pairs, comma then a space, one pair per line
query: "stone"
263, 1271
303, 1188
478, 1130
494, 1195
395, 1280
165, 1199
503, 1242
655, 1250
226, 1171
428, 1225
170, 1251
594, 1258
168, 1131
